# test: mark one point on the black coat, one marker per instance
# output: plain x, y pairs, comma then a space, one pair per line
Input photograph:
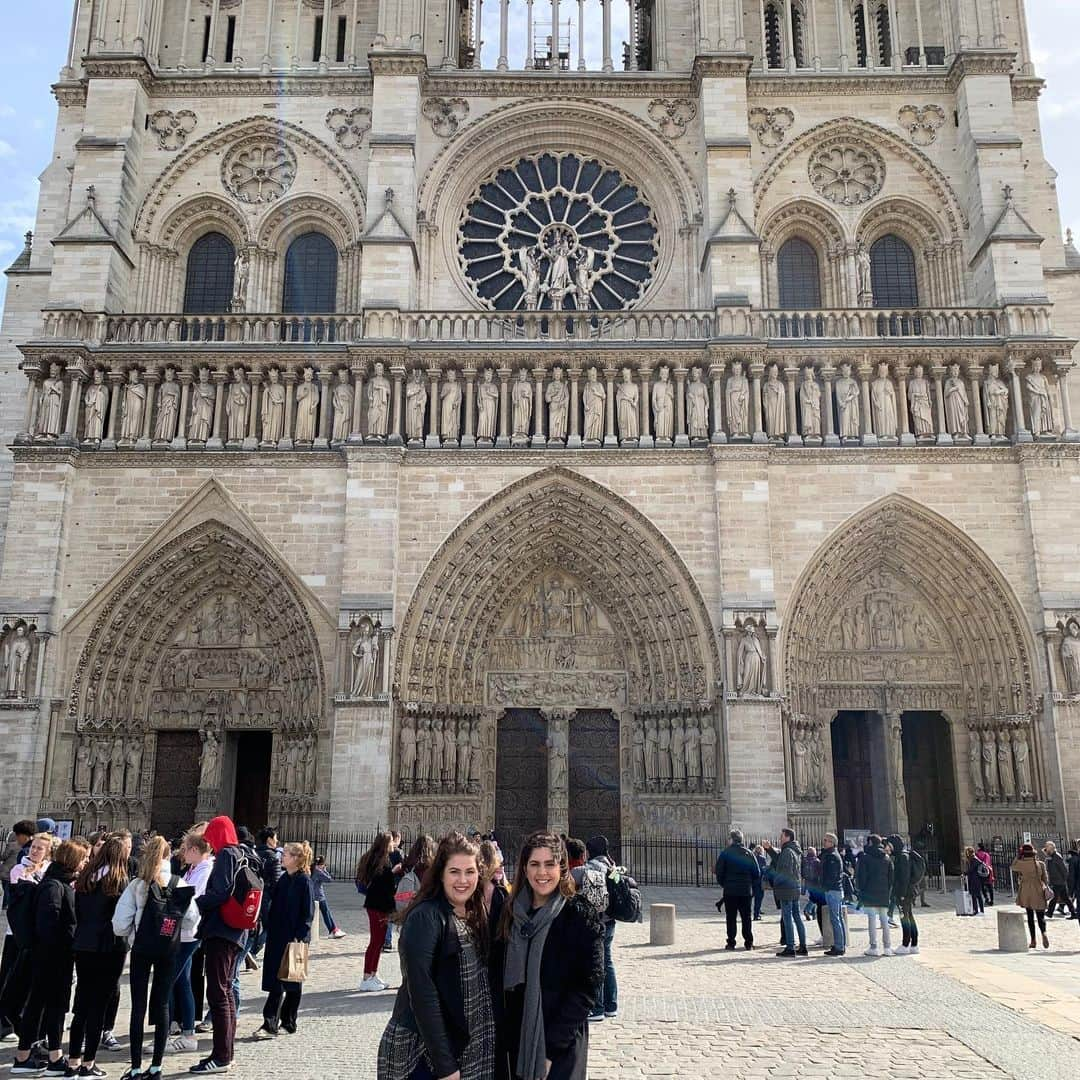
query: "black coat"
1074, 873
737, 871
571, 969
93, 930
219, 888
271, 871
832, 870
1057, 871
380, 891
874, 878
289, 919
52, 960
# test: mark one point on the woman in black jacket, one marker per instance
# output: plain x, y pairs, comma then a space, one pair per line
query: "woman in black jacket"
99, 953
443, 1025
376, 879
51, 958
547, 961
289, 919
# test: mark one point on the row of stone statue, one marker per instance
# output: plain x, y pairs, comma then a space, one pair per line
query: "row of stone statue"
106, 766
296, 759
808, 762
1000, 764
439, 755
674, 753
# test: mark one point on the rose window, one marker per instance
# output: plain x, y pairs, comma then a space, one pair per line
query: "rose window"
847, 174
259, 172
557, 232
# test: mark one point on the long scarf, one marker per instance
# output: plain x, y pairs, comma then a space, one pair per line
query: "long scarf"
524, 952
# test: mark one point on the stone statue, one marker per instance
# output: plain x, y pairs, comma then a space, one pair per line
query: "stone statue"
626, 401
663, 404
236, 406
202, 408
133, 755
559, 281
17, 663
663, 734
775, 394
273, 409
423, 752
866, 281
896, 733
311, 758
697, 406
365, 668
378, 402
210, 759
751, 678
1023, 766
559, 744
81, 782
652, 752
989, 757
956, 403
449, 753
476, 755
708, 754
99, 772
487, 401
817, 764
1070, 657
50, 417
463, 753
531, 267
738, 401
975, 764
168, 407
847, 403
1005, 766
1039, 404
240, 281
450, 413
583, 278
342, 401
693, 753
406, 753
594, 397
416, 397
293, 766
883, 404
922, 412
997, 402
307, 408
96, 403
117, 760
638, 738
522, 401
557, 396
800, 763
678, 751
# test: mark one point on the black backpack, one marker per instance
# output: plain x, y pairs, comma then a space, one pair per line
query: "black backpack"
20, 912
624, 897
158, 933
918, 867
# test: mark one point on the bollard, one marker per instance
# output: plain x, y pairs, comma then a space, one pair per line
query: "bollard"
661, 924
1012, 931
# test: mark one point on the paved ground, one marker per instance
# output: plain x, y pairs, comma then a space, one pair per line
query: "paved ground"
692, 1010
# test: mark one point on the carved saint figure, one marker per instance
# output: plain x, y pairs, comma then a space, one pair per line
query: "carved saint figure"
240, 280
366, 662
997, 402
738, 400
307, 408
975, 764
559, 281
99, 772
989, 756
530, 267
449, 753
1039, 405
693, 753
202, 408
922, 413
81, 782
810, 403
450, 413
956, 403
663, 733
476, 750
638, 742
17, 663
522, 401
1023, 766
697, 406
342, 401
50, 417
423, 752
487, 401
708, 753
866, 283
775, 394
557, 396
594, 397
133, 755
883, 403
236, 406
406, 753
378, 398
817, 764
847, 403
626, 401
652, 752
678, 752
1070, 657
96, 403
416, 398
273, 408
583, 278
168, 407
311, 757
1005, 766
751, 662
800, 762
559, 745
211, 756
663, 404
117, 760
463, 753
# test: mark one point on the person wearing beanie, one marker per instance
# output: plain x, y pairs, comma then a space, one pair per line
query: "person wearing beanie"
607, 994
46, 824
903, 893
874, 883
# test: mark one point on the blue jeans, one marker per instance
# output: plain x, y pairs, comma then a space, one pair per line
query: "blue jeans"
835, 898
607, 994
327, 916
791, 919
183, 998
759, 897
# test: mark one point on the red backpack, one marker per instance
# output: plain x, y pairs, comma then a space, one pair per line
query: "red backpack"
241, 910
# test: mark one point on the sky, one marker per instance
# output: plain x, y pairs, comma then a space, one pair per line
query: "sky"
37, 39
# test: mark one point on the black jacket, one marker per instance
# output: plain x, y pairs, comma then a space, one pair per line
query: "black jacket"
380, 892
289, 919
1074, 873
1057, 872
219, 888
570, 970
93, 930
269, 868
737, 871
832, 870
874, 878
786, 865
54, 916
429, 1001
901, 886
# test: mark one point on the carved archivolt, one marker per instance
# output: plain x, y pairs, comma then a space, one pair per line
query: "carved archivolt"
556, 522
806, 219
203, 214
905, 217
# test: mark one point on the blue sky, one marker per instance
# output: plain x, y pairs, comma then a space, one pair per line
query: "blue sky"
36, 35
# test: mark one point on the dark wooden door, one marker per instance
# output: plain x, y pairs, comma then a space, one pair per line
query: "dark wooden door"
176, 782
251, 801
594, 777
853, 771
930, 783
521, 779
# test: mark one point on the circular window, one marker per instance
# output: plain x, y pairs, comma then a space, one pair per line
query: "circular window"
557, 232
846, 173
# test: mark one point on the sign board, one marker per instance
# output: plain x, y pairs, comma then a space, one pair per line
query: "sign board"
856, 838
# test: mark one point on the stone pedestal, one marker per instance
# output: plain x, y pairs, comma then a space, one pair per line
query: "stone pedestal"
1012, 930
661, 924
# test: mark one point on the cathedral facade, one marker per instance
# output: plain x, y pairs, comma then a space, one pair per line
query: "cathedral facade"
646, 417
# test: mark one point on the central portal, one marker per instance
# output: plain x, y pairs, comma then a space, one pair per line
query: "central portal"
594, 776
521, 783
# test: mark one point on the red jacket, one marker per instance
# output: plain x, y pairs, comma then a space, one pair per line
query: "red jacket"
984, 857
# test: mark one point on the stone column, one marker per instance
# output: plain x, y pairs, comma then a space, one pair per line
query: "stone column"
558, 795
1020, 432
468, 438
716, 375
1070, 434
116, 385
356, 434
827, 404
906, 437
610, 438
397, 371
432, 441
681, 438
151, 379
285, 442
252, 440
538, 439
504, 407
943, 436
180, 442
30, 420
791, 372
864, 369
897, 798
324, 376
645, 404
215, 441
76, 379
573, 437
974, 373
757, 368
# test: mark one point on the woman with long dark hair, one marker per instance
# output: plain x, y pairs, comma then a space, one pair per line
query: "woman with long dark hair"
443, 1025
548, 958
1031, 891
376, 879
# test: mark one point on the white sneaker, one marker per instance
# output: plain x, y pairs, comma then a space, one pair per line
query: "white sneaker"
901, 950
873, 951
338, 934
913, 949
372, 985
894, 924
183, 1044
889, 952
382, 985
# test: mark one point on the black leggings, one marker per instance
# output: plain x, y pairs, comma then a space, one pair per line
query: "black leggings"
50, 992
98, 981
164, 975
282, 1005
1033, 914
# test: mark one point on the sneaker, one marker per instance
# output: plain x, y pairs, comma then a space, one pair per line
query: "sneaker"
873, 951
786, 952
893, 923
59, 1067
901, 950
174, 1028
1046, 942
889, 952
289, 1027
91, 1070
382, 985
801, 951
209, 1065
388, 948
250, 963
730, 946
749, 946
109, 1041
336, 933
204, 1027
183, 1044
596, 1017
611, 1014
264, 1032
130, 1074
29, 1067
832, 952
372, 985
913, 950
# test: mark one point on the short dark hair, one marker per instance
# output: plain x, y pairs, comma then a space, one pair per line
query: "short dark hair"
873, 840
266, 832
735, 836
596, 846
789, 833
24, 828
575, 848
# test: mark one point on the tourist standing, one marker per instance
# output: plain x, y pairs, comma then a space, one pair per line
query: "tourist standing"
1030, 892
290, 919
1074, 873
874, 881
375, 877
739, 876
606, 1006
1057, 871
832, 886
397, 864
493, 881
196, 857
811, 876
443, 1023
421, 856
787, 888
319, 877
974, 871
903, 891
21, 834
759, 884
988, 881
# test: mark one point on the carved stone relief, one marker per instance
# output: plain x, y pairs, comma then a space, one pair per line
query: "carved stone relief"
349, 126
674, 749
671, 115
439, 752
771, 125
1000, 761
17, 649
258, 170
366, 643
921, 122
446, 114
172, 128
751, 665
846, 173
806, 739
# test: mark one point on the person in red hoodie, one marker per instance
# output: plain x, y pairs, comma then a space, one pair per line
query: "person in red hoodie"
222, 944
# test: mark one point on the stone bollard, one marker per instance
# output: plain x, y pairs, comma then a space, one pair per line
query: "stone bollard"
661, 924
1012, 931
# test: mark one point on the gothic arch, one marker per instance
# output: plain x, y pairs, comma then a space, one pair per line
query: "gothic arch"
556, 520
818, 226
200, 214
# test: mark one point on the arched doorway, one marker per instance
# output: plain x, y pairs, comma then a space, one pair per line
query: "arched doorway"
551, 623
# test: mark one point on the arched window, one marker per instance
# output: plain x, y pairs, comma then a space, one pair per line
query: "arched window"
311, 266
884, 36
208, 285
860, 36
797, 37
774, 53
892, 273
799, 275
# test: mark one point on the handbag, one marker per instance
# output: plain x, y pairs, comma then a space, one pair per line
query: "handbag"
294, 962
1048, 893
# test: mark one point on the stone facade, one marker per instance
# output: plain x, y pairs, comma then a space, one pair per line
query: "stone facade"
558, 506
